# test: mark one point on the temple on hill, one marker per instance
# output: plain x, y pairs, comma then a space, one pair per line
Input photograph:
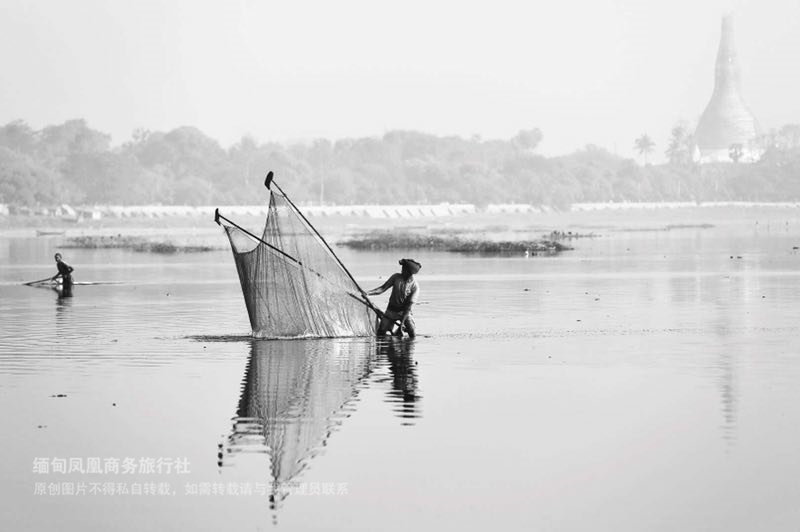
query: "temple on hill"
727, 130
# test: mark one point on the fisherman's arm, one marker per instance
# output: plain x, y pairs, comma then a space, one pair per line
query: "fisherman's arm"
382, 288
60, 273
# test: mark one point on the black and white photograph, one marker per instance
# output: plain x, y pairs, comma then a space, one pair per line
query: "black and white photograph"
400, 266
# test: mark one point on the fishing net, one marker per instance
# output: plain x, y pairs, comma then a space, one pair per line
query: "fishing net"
293, 286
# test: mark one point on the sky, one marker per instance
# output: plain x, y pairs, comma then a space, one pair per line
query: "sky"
583, 71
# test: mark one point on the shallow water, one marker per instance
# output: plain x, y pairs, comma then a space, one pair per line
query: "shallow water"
644, 381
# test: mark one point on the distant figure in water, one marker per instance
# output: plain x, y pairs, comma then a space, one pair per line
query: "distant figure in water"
65, 272
405, 291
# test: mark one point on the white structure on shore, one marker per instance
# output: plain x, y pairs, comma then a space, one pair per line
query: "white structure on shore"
727, 130
645, 205
364, 211
391, 211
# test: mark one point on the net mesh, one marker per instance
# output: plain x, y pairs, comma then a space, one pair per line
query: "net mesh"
296, 289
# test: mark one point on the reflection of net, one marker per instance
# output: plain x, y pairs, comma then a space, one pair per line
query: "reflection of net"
293, 396
306, 294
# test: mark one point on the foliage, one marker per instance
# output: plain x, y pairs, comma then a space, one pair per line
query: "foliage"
385, 240
680, 151
644, 145
72, 163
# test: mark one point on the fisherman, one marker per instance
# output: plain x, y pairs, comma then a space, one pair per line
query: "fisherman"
404, 294
65, 272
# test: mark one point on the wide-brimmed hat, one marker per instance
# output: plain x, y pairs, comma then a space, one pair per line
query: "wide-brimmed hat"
413, 265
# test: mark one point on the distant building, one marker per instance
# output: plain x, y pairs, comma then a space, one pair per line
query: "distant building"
727, 130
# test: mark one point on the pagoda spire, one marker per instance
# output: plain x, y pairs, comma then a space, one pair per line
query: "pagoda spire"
727, 126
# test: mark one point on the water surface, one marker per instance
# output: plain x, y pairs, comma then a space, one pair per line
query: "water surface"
645, 381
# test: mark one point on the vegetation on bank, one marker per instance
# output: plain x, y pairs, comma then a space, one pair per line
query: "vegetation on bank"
135, 243
375, 240
389, 240
74, 164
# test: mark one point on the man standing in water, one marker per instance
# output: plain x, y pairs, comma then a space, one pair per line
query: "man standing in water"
65, 272
404, 294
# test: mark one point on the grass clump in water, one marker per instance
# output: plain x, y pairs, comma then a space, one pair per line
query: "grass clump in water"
134, 243
388, 240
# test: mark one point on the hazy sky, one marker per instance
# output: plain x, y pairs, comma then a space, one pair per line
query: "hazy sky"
583, 71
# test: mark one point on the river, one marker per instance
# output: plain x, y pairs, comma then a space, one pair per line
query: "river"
646, 380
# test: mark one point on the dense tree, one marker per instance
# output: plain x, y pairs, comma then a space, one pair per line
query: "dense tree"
73, 138
73, 163
527, 140
18, 136
680, 151
23, 181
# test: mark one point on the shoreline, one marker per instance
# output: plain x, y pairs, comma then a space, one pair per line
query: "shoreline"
583, 218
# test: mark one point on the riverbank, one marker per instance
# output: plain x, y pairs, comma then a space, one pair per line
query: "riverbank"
201, 230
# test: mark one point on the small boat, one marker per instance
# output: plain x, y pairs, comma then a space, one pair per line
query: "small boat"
45, 232
58, 282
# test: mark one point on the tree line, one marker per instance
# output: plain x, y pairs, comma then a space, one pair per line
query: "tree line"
74, 164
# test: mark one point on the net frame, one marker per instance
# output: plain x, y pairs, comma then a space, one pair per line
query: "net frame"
294, 285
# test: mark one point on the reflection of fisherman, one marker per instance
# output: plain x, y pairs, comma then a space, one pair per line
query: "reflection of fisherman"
399, 353
65, 272
404, 294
